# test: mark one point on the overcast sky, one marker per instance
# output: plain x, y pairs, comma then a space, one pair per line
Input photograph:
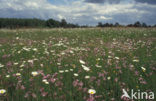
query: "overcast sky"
82, 11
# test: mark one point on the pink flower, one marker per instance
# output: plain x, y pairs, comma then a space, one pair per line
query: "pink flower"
22, 87
136, 73
33, 95
116, 79
52, 80
101, 74
91, 98
118, 67
44, 94
98, 82
80, 84
26, 95
75, 83
9, 64
41, 89
143, 82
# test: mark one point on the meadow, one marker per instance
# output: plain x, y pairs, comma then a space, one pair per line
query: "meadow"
82, 64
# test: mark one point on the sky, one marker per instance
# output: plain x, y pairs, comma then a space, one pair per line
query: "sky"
82, 12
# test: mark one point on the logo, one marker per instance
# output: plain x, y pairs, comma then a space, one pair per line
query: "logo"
138, 95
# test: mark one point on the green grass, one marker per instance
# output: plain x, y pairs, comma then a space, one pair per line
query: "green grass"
108, 53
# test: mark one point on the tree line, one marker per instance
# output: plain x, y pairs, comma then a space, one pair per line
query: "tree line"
51, 23
136, 24
34, 23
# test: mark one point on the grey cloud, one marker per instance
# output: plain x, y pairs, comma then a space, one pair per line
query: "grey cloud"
104, 1
147, 1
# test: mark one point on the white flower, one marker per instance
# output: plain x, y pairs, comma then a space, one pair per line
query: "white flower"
91, 91
85, 68
17, 38
30, 61
61, 71
26, 49
7, 76
63, 53
144, 69
1, 65
71, 69
75, 74
98, 66
22, 65
87, 77
34, 49
18, 74
44, 80
19, 52
109, 78
2, 91
135, 60
117, 58
58, 63
71, 52
82, 62
15, 63
66, 70
34, 73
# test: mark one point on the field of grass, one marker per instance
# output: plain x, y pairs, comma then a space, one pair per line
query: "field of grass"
64, 64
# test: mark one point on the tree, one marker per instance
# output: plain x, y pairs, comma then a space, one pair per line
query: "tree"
137, 24
144, 25
100, 24
117, 24
63, 23
52, 23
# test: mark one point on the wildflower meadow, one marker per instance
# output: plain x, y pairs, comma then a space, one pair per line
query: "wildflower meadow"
81, 64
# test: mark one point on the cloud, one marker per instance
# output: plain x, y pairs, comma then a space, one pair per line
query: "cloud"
102, 18
104, 1
79, 11
153, 2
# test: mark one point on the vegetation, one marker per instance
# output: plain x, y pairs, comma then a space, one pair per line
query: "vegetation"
34, 23
91, 64
13, 23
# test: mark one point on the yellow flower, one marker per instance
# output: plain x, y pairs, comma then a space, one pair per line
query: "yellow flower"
91, 91
2, 91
